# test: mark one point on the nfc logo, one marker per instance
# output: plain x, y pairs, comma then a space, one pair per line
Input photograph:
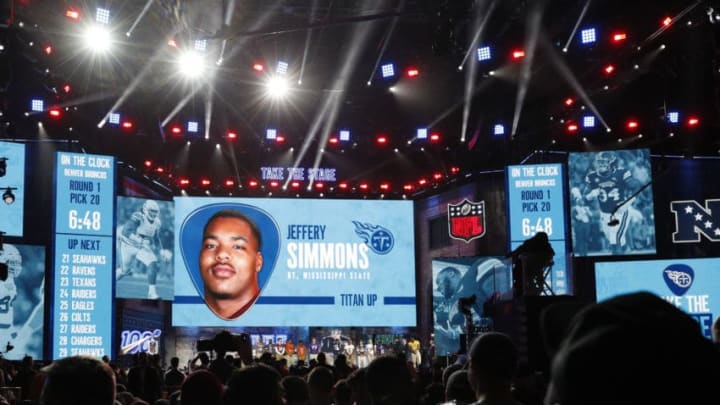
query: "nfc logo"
693, 220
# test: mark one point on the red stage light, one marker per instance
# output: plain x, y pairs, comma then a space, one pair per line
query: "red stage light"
160, 169
184, 181
518, 54
274, 184
608, 69
343, 185
229, 183
55, 112
454, 170
232, 135
572, 127
667, 21
412, 72
280, 139
295, 184
408, 187
364, 186
632, 124
176, 130
127, 125
171, 42
148, 163
381, 140
72, 14
320, 185
48, 49
619, 37
422, 182
693, 121
333, 140
253, 183
385, 186
67, 88
258, 67
437, 176
569, 101
434, 138
205, 182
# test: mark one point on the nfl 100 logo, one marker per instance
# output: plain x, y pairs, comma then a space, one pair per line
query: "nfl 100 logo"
693, 220
466, 220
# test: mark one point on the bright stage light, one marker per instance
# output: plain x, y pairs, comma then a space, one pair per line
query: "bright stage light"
518, 54
609, 69
232, 135
412, 72
176, 130
569, 101
114, 118
434, 138
37, 105
258, 67
102, 15
127, 125
72, 14
200, 45
619, 37
483, 53
499, 129
277, 87
55, 112
97, 38
673, 117
282, 68
387, 70
588, 36
344, 135
271, 133
191, 64
193, 127
693, 121
422, 133
632, 125
572, 127
589, 121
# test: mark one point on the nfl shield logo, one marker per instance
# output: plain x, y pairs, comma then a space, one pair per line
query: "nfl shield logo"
466, 221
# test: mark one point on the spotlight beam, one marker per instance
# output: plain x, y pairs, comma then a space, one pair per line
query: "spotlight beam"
308, 38
208, 108
534, 24
577, 25
386, 41
137, 20
478, 32
570, 78
179, 106
680, 15
472, 74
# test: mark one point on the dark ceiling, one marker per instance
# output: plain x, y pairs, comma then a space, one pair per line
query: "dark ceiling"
334, 46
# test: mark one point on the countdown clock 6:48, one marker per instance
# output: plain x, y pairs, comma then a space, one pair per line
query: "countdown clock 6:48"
90, 220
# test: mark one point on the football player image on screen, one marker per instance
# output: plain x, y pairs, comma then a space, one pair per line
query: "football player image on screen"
610, 204
19, 328
140, 246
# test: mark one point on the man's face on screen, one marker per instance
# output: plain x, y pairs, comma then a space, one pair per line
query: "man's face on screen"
230, 260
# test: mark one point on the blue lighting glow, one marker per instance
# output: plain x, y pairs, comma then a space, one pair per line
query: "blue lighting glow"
192, 126
589, 121
114, 118
483, 53
344, 135
588, 36
499, 129
271, 133
282, 68
422, 133
201, 45
388, 70
673, 117
37, 105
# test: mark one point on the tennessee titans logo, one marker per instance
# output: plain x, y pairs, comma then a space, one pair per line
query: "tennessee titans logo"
679, 278
379, 239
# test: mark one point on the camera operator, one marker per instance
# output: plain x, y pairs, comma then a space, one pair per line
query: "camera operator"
530, 260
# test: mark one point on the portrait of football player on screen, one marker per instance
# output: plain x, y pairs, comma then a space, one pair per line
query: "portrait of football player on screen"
611, 202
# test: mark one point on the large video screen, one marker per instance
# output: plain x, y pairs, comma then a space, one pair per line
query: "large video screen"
611, 203
22, 301
463, 277
12, 187
144, 248
292, 262
692, 285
